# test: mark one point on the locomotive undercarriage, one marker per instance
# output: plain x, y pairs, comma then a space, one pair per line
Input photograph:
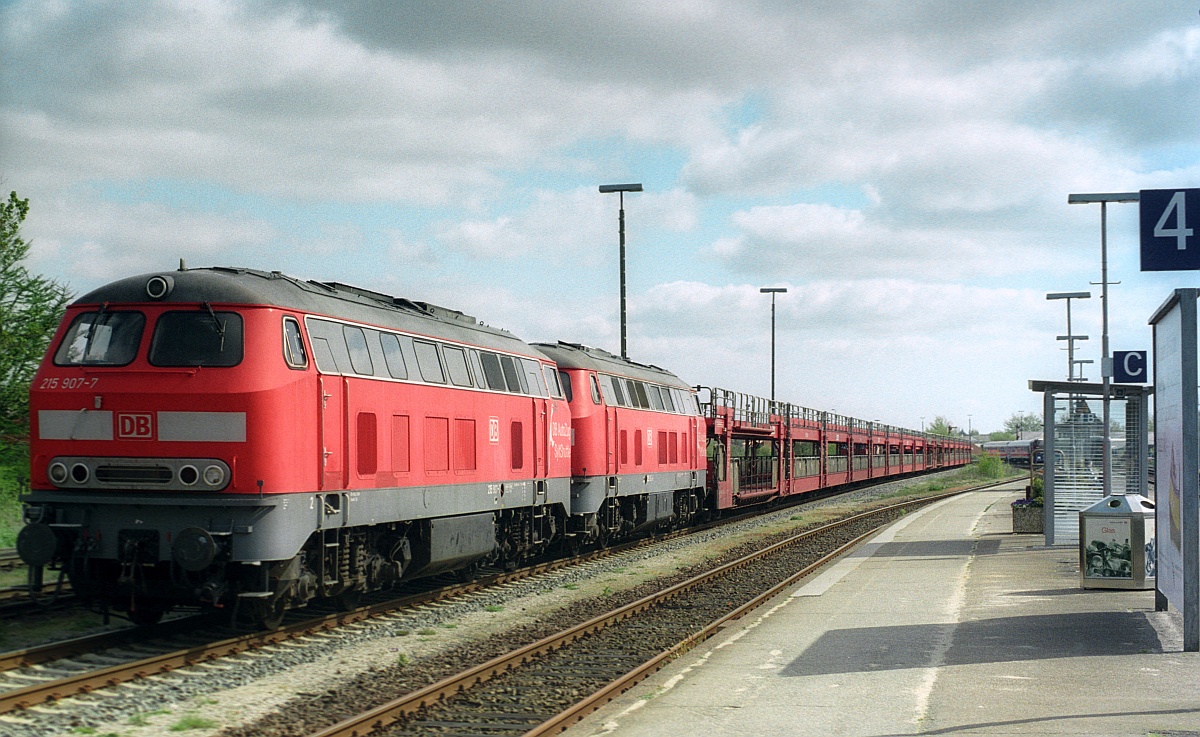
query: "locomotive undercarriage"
145, 571
621, 518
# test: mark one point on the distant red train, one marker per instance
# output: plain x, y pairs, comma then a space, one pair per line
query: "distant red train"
235, 438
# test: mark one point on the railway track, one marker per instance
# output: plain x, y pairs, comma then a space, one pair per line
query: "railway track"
58, 670
86, 664
9, 559
521, 698
594, 660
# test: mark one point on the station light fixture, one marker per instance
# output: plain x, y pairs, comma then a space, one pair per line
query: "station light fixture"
621, 189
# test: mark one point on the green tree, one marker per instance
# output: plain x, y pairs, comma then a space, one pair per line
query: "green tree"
31, 307
1023, 422
939, 426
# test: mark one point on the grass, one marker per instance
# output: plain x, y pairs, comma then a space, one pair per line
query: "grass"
987, 468
493, 608
192, 721
143, 719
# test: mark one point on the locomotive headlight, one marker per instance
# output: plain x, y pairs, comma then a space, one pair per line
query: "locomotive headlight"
159, 286
214, 475
57, 472
188, 475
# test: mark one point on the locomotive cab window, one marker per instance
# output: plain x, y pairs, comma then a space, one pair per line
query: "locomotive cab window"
197, 338
293, 344
101, 338
566, 385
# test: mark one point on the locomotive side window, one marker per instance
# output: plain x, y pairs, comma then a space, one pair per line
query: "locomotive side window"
668, 402
617, 391
491, 368
393, 356
456, 365
293, 344
511, 376
566, 385
329, 346
655, 398
428, 362
477, 369
533, 377
638, 390
595, 389
101, 339
200, 338
360, 356
556, 387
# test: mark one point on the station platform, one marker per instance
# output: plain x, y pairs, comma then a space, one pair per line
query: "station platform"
944, 623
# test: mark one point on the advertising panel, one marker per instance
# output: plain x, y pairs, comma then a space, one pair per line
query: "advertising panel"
1168, 441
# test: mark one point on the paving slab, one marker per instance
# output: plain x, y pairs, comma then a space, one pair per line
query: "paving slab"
944, 623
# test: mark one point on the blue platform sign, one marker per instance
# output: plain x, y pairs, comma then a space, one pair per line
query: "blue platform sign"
1129, 367
1169, 222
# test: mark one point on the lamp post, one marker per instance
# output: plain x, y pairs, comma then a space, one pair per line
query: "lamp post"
1070, 337
621, 189
1105, 359
773, 291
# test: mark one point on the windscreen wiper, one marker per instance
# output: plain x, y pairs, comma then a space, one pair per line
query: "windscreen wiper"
220, 327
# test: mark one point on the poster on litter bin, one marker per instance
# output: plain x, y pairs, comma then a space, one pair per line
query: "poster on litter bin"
1107, 553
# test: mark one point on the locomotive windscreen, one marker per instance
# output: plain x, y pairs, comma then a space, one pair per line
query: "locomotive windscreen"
197, 339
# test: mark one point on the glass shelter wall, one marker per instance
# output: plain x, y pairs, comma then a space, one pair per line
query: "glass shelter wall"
1074, 446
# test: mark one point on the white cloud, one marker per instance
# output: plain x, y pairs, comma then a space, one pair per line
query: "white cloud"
565, 227
99, 241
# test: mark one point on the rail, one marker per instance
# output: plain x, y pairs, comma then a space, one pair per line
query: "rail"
461, 701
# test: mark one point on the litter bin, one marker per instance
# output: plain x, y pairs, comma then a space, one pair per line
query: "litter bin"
1116, 543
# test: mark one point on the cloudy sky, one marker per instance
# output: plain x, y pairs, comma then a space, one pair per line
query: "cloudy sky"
901, 167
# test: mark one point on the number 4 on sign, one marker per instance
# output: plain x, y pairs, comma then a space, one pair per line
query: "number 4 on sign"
1181, 232
1163, 219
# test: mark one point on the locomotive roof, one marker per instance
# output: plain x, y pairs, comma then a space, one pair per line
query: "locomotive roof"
574, 355
238, 286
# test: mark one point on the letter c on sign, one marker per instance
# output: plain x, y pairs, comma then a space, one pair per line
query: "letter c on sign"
1129, 367
1133, 364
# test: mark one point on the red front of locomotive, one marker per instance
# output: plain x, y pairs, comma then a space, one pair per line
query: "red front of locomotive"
172, 397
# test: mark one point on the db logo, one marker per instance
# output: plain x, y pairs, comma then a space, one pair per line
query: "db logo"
135, 427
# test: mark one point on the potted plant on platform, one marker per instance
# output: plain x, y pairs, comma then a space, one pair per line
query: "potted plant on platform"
1027, 513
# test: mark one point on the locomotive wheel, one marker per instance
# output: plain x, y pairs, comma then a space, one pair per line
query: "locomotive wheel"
269, 614
348, 601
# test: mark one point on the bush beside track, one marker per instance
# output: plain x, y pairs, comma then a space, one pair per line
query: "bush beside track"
14, 465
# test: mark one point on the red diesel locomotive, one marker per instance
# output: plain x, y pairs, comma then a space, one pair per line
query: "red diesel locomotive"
236, 438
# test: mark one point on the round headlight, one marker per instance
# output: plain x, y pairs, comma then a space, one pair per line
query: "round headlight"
158, 287
214, 475
57, 472
80, 473
188, 475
